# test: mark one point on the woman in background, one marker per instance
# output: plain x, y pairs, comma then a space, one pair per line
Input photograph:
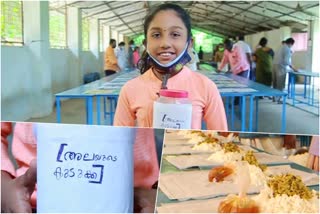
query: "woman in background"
263, 57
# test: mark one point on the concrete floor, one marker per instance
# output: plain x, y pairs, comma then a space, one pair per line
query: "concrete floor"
298, 121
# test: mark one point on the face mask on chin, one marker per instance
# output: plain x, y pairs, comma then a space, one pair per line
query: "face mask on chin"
172, 67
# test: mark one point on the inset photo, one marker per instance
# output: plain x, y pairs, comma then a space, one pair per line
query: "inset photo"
59, 168
230, 172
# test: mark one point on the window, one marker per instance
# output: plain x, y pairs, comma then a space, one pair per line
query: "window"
85, 34
11, 23
300, 41
57, 24
205, 40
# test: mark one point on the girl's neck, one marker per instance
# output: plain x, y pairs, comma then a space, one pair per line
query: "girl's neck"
160, 74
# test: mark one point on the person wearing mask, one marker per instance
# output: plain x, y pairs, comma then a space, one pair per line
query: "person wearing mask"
111, 62
281, 65
218, 57
167, 29
236, 58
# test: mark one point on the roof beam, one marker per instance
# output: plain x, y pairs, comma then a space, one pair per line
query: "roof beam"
248, 24
295, 10
107, 10
254, 13
123, 15
220, 23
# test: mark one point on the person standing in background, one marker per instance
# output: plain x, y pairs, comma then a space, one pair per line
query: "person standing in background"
281, 64
194, 62
263, 57
130, 54
218, 56
236, 58
142, 47
136, 56
245, 48
121, 56
111, 62
200, 53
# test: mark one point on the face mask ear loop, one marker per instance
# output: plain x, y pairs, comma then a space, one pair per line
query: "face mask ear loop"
164, 81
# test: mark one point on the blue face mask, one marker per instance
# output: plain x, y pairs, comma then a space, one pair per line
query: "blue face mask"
173, 66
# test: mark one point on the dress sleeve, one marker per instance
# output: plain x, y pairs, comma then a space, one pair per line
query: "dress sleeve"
314, 146
6, 163
124, 115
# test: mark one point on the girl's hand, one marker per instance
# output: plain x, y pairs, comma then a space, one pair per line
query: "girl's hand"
16, 192
144, 200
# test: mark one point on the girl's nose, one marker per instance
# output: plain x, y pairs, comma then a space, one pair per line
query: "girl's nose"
164, 43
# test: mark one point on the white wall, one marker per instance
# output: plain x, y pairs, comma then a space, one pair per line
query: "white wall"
33, 73
16, 83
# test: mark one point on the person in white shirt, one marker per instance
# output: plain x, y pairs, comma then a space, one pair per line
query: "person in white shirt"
142, 48
194, 62
281, 65
247, 50
121, 56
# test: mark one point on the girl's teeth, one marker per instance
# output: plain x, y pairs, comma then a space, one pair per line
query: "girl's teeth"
165, 54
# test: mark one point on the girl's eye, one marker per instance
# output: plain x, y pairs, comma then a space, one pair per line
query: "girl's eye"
174, 34
155, 35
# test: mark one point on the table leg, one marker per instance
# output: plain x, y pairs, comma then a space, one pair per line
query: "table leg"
111, 110
251, 108
293, 90
58, 109
289, 84
243, 113
257, 115
89, 109
104, 107
283, 122
98, 109
227, 107
305, 87
232, 113
312, 92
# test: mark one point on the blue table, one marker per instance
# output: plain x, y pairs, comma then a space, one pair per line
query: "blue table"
81, 92
243, 88
256, 91
309, 89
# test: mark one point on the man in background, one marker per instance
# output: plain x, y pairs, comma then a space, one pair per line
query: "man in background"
245, 48
111, 62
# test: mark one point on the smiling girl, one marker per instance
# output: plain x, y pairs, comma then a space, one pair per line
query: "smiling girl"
167, 30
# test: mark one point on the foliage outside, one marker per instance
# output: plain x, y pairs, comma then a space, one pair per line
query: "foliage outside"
207, 41
11, 22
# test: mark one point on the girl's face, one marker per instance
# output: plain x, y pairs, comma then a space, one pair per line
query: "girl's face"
166, 36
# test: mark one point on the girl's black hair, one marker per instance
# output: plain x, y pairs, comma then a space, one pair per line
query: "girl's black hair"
144, 63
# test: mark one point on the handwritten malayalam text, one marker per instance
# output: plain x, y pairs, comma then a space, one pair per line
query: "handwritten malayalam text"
93, 175
78, 156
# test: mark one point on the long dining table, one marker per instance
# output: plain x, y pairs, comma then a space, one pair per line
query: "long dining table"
230, 86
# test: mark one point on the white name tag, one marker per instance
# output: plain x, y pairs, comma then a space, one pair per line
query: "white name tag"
177, 116
84, 168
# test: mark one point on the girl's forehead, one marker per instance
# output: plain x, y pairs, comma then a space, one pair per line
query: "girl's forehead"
165, 19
